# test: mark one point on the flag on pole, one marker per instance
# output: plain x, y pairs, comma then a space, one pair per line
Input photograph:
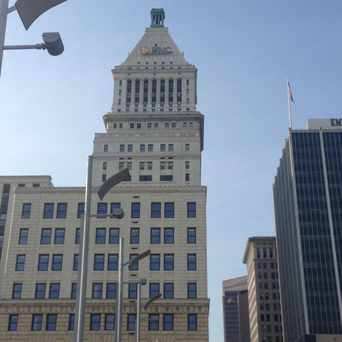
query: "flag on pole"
291, 97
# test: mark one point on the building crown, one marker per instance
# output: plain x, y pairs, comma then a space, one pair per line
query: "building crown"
157, 17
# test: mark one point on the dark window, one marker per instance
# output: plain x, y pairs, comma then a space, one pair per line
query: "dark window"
113, 262
132, 290
77, 236
105, 148
134, 262
131, 320
114, 236
192, 322
23, 236
99, 260
57, 262
37, 322
48, 210
17, 290
59, 236
168, 290
100, 236
73, 292
102, 209
111, 290
43, 262
192, 262
168, 322
61, 210
80, 209
95, 321
26, 211
54, 291
135, 210
13, 322
51, 322
154, 289
45, 236
145, 178
134, 236
169, 235
109, 322
191, 209
71, 322
155, 262
155, 210
191, 235
20, 263
169, 210
155, 235
40, 291
97, 291
166, 178
153, 322
192, 290
76, 262
114, 206
169, 262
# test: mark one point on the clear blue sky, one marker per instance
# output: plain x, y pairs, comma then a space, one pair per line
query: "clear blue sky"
244, 50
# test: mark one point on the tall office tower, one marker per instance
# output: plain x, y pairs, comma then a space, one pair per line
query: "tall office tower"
263, 289
235, 310
155, 131
307, 200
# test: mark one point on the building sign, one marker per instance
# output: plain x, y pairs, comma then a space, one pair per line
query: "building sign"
336, 122
155, 51
325, 123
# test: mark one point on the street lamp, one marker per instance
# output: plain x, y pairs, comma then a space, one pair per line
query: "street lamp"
29, 11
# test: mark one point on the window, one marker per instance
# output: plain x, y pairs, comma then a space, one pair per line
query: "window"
153, 322
54, 291
187, 165
105, 148
192, 322
45, 236
102, 209
149, 165
71, 322
12, 322
48, 210
76, 262
155, 235
20, 263
61, 210
132, 290
168, 262
155, 210
40, 291
26, 211
135, 210
111, 290
150, 147
131, 320
169, 210
113, 262
187, 177
100, 236
77, 236
187, 147
43, 262
114, 206
145, 178
130, 148
51, 322
191, 209
59, 236
95, 321
73, 291
141, 166
142, 147
169, 235
109, 322
23, 236
155, 262
97, 291
80, 209
168, 290
166, 178
192, 290
192, 262
170, 165
154, 290
168, 322
99, 262
17, 290
122, 148
171, 147
162, 147
191, 235
37, 322
114, 236
134, 262
134, 236
57, 262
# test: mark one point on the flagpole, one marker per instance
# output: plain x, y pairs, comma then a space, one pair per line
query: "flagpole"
290, 104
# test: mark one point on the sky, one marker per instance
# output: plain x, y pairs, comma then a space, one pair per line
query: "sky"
245, 51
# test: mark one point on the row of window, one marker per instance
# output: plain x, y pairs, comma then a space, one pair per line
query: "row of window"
102, 210
99, 262
144, 148
112, 235
51, 320
150, 125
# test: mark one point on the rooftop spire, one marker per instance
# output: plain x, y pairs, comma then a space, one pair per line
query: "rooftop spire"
157, 17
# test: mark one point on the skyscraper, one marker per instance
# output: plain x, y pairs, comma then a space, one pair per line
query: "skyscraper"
307, 200
235, 310
156, 132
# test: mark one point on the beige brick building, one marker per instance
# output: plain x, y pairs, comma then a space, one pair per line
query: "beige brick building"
155, 131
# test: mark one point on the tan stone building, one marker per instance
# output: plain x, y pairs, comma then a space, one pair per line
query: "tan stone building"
156, 132
263, 290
